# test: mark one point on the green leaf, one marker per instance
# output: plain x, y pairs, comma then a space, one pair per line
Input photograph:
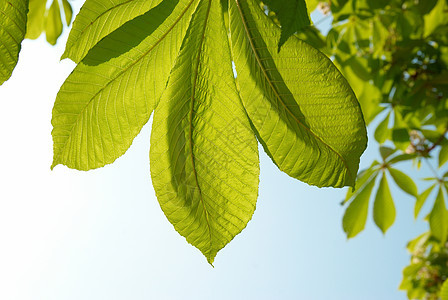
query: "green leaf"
362, 179
444, 291
386, 152
404, 182
443, 155
36, 18
421, 199
303, 111
436, 17
383, 208
418, 242
98, 18
382, 132
400, 158
53, 23
355, 216
357, 71
12, 31
312, 4
438, 218
292, 15
400, 137
204, 157
110, 95
68, 11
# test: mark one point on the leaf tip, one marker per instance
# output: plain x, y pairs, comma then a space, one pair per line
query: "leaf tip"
64, 55
54, 164
210, 260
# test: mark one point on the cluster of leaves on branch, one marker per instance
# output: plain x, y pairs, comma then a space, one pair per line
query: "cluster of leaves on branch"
395, 56
426, 276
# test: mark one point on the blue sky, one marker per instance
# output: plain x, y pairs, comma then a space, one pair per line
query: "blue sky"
101, 234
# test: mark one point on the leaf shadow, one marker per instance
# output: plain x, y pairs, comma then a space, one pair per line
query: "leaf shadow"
130, 34
268, 78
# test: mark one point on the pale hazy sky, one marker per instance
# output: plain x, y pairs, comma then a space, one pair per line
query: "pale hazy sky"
67, 235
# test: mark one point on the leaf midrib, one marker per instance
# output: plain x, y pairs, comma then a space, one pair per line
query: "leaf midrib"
206, 213
253, 48
120, 73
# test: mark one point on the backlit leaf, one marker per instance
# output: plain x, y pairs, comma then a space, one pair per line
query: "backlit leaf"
36, 18
444, 291
53, 23
204, 157
386, 152
421, 199
110, 95
304, 112
383, 208
12, 31
404, 182
361, 180
355, 216
443, 155
400, 158
438, 218
68, 11
382, 132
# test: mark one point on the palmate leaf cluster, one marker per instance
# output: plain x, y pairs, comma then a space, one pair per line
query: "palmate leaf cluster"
175, 58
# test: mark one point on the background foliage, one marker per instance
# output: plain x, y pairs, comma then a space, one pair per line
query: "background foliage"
395, 56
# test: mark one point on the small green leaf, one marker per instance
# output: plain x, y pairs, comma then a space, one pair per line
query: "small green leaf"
429, 178
355, 216
444, 291
383, 208
400, 158
382, 132
68, 11
400, 137
404, 182
53, 23
438, 218
292, 15
36, 18
386, 152
13, 16
421, 199
416, 243
443, 155
363, 177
